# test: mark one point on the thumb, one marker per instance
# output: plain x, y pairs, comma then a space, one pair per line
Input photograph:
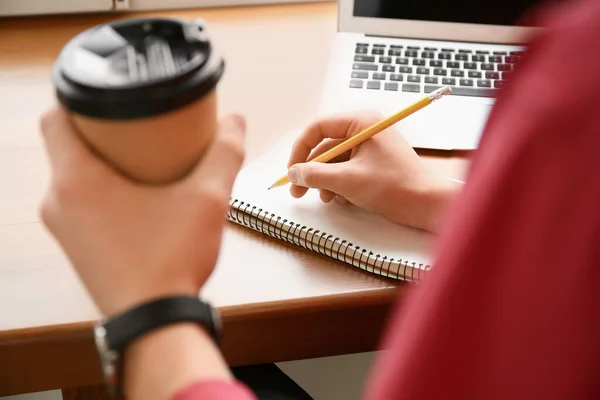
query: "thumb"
319, 176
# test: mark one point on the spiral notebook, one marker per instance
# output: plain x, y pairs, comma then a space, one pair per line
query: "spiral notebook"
342, 232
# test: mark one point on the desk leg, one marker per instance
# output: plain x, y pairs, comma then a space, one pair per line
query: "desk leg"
86, 393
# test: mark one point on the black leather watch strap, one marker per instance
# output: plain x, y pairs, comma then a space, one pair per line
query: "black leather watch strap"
123, 329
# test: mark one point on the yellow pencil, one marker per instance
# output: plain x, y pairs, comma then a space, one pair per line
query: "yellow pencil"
368, 133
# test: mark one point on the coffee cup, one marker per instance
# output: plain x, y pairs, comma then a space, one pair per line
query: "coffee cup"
142, 93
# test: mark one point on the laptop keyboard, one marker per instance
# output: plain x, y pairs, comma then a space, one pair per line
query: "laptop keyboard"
424, 69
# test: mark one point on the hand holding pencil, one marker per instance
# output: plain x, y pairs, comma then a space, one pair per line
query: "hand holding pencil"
371, 131
383, 175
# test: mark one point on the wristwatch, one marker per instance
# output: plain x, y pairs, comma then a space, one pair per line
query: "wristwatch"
113, 335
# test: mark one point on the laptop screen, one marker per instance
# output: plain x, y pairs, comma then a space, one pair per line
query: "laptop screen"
497, 12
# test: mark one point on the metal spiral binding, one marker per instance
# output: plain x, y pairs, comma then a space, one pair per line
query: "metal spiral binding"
312, 238
380, 269
321, 242
368, 259
330, 247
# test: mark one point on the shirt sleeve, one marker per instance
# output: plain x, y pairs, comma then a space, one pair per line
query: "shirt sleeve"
511, 308
215, 390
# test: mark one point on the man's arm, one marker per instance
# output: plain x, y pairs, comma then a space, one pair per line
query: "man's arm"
179, 362
511, 308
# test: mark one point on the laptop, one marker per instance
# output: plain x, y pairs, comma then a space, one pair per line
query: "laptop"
389, 53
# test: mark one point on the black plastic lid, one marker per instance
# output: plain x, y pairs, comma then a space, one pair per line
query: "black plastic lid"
136, 68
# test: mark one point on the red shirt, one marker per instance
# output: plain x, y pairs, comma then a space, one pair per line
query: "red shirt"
512, 307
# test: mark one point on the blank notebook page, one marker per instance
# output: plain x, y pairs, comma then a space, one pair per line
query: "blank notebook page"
345, 232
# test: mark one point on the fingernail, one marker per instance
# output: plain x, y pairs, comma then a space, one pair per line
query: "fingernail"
240, 121
293, 175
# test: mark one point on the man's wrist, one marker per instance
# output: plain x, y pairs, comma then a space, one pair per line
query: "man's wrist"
163, 362
441, 193
429, 200
118, 304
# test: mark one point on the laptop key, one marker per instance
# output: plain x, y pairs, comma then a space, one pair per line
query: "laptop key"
431, 79
466, 82
408, 87
391, 86
411, 53
385, 60
495, 59
413, 79
364, 58
471, 91
500, 53
396, 46
444, 56
484, 83
450, 50
512, 59
428, 54
379, 76
499, 84
377, 51
505, 67
374, 85
419, 62
440, 72
360, 75
453, 64
457, 73
395, 52
405, 70
482, 52
362, 44
464, 51
461, 57
492, 75
474, 74
402, 61
430, 48
423, 71
431, 88
388, 68
506, 75
366, 67
470, 65
396, 77
517, 53
448, 81
436, 63
487, 67
361, 50
478, 58
356, 84
379, 45
413, 47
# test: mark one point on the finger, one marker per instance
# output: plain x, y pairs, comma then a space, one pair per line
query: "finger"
333, 177
333, 127
299, 191
67, 153
341, 199
327, 145
221, 163
326, 195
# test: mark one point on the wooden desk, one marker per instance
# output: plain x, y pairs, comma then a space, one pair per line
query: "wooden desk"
278, 302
